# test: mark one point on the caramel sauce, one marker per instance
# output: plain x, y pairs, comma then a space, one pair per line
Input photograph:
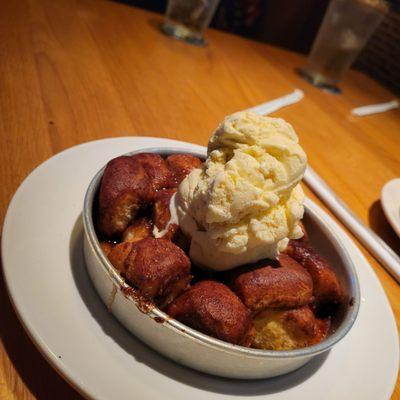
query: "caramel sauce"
144, 305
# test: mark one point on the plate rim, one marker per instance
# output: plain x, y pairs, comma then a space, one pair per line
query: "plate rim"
385, 206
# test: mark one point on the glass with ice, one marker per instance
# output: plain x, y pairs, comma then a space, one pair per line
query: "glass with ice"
188, 19
347, 26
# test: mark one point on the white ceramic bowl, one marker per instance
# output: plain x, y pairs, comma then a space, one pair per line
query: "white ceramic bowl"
197, 350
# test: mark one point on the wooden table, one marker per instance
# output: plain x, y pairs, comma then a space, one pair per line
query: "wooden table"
73, 71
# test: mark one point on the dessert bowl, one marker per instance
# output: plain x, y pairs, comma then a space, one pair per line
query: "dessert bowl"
193, 348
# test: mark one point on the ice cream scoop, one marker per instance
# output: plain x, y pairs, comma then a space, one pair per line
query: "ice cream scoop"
246, 202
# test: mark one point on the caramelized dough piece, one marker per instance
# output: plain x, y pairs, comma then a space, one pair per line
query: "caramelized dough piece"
106, 247
288, 285
180, 166
158, 268
125, 187
288, 329
327, 288
119, 254
212, 308
139, 230
171, 292
156, 168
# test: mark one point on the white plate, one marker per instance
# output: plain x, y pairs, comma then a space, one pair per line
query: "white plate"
47, 280
390, 200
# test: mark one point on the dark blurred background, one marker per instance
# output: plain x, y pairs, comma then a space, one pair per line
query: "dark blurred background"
293, 24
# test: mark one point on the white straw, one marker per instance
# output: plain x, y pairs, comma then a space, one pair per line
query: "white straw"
375, 108
273, 105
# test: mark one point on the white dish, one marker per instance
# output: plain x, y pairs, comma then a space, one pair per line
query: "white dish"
47, 280
390, 200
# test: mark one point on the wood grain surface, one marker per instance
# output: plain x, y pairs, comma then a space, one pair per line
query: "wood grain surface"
72, 71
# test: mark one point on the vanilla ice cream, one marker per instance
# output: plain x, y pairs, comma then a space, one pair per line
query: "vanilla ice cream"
246, 202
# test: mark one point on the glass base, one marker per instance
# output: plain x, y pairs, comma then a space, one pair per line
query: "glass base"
318, 82
182, 33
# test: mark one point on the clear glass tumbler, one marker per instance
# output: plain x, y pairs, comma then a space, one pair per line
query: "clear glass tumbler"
188, 19
346, 28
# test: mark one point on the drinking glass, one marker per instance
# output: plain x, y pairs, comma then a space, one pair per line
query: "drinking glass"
346, 28
188, 19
